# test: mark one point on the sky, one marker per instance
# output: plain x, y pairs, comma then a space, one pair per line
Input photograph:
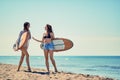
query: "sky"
92, 25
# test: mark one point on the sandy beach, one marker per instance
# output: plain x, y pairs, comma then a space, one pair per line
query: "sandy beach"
8, 72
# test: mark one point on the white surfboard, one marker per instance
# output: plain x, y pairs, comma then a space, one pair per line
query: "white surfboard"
19, 41
15, 46
60, 44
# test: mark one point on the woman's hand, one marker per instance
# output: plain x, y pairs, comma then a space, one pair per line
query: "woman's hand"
36, 39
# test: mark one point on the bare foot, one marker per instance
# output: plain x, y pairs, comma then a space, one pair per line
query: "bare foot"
29, 70
18, 70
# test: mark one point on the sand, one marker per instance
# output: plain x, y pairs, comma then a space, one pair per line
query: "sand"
8, 72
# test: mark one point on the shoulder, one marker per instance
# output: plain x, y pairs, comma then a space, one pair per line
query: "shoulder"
29, 32
44, 34
52, 34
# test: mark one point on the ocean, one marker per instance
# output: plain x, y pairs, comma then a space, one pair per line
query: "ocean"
106, 66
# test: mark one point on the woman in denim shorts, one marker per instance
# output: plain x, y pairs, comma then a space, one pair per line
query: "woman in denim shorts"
48, 36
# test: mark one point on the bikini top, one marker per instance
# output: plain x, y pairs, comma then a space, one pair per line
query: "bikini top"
48, 36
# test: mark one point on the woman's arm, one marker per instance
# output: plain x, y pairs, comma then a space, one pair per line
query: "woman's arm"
36, 39
52, 36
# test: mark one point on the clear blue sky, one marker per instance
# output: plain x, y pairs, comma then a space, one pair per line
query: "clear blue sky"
93, 25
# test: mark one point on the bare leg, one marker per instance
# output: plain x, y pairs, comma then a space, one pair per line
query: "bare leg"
53, 61
46, 59
21, 60
27, 58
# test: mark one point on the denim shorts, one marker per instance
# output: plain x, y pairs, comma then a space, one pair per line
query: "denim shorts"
48, 46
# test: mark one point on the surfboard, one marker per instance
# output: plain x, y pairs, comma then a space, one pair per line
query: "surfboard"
15, 46
22, 40
19, 41
60, 44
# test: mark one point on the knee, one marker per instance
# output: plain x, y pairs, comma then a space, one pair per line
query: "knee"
27, 55
22, 55
51, 58
46, 59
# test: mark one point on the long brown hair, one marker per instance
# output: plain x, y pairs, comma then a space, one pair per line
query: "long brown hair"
49, 28
25, 26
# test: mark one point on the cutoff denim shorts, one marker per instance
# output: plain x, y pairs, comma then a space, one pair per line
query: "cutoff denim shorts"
49, 46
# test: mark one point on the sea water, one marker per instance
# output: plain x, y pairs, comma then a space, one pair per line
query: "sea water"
106, 66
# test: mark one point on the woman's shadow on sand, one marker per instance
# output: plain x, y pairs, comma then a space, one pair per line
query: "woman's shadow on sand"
42, 73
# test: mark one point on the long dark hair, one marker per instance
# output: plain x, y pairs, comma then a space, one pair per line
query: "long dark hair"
25, 26
49, 28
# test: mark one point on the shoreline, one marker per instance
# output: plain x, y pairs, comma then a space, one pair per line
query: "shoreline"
9, 72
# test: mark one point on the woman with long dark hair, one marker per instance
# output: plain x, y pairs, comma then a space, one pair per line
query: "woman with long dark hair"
48, 36
23, 42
